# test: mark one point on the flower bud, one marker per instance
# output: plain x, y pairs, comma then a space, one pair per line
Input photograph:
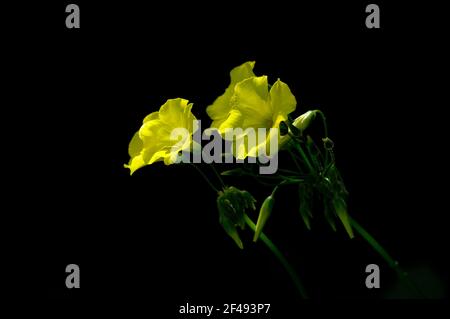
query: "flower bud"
232, 204
303, 121
264, 213
297, 127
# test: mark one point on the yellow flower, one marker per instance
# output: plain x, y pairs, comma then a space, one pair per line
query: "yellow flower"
219, 111
254, 106
249, 104
163, 135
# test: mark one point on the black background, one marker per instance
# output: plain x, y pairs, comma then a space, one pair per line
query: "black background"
154, 237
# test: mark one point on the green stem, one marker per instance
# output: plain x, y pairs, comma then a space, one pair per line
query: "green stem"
218, 177
385, 255
261, 182
295, 161
305, 158
205, 178
286, 182
293, 178
280, 258
287, 171
324, 120
325, 129
313, 158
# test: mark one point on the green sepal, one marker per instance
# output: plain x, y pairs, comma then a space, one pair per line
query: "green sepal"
305, 205
341, 211
329, 216
232, 204
231, 230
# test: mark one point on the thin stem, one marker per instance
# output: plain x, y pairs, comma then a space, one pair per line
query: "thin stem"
261, 182
287, 171
383, 253
323, 158
293, 179
305, 158
205, 178
325, 129
313, 158
286, 181
295, 161
324, 120
218, 176
280, 258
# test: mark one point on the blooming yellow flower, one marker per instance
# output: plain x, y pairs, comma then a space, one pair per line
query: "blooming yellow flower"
249, 104
220, 110
255, 106
163, 135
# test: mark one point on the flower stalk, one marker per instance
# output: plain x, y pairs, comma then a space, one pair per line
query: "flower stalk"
403, 275
287, 266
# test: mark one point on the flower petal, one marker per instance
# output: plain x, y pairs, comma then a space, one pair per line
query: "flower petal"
251, 99
172, 112
158, 156
218, 111
135, 146
281, 99
154, 141
151, 116
155, 134
233, 120
242, 72
135, 163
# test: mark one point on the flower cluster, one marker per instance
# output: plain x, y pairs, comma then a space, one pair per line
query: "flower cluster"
259, 118
248, 103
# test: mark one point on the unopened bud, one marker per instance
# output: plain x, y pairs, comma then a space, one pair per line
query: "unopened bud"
264, 213
303, 121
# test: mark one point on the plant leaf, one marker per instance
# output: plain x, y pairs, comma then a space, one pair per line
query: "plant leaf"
234, 172
329, 216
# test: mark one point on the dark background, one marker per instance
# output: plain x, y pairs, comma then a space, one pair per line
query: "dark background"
154, 237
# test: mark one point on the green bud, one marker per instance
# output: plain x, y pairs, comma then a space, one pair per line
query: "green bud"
297, 127
328, 143
264, 213
294, 130
303, 121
